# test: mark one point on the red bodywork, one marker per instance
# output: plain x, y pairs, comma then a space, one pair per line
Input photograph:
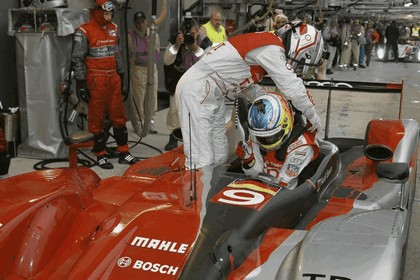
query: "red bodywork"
69, 224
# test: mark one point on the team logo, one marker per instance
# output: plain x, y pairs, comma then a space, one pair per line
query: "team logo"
124, 262
112, 33
308, 37
288, 65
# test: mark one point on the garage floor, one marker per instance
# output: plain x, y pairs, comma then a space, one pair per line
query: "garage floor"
356, 110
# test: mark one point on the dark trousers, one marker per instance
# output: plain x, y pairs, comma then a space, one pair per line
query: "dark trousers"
394, 47
368, 53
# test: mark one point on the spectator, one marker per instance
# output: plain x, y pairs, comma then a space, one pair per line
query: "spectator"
391, 34
357, 37
370, 41
180, 54
331, 36
273, 148
98, 71
345, 37
279, 20
415, 30
214, 29
138, 44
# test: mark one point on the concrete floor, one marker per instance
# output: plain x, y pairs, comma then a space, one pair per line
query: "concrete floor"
363, 108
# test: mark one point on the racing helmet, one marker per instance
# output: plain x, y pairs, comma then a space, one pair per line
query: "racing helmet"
102, 6
270, 121
105, 5
303, 44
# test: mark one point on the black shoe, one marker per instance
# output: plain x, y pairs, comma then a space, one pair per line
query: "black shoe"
329, 72
354, 68
172, 144
127, 158
104, 163
362, 66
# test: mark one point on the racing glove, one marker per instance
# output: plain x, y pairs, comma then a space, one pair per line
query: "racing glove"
245, 153
315, 122
83, 90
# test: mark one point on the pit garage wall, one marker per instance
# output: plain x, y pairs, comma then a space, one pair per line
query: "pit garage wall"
8, 84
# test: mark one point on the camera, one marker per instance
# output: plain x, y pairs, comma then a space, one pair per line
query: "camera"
188, 36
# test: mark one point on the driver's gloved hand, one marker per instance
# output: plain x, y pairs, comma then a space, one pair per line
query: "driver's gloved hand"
83, 90
245, 153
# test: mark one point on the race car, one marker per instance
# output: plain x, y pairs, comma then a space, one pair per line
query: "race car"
347, 219
407, 51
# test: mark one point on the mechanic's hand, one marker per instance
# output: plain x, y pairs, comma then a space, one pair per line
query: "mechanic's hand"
245, 153
315, 122
83, 90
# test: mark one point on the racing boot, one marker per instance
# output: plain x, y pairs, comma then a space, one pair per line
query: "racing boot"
172, 144
127, 158
104, 163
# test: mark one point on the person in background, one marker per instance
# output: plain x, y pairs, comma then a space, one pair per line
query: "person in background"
345, 37
370, 41
97, 65
331, 35
214, 29
235, 66
357, 34
138, 45
279, 20
185, 48
391, 34
277, 147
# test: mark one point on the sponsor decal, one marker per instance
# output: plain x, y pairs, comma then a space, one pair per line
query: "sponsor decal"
100, 42
292, 170
161, 245
125, 262
324, 178
288, 65
112, 33
316, 276
308, 37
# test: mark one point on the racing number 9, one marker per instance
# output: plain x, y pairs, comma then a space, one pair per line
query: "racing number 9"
241, 197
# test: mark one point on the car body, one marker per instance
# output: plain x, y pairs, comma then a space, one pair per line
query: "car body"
408, 50
161, 221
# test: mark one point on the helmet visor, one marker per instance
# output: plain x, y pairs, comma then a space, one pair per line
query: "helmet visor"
271, 142
108, 6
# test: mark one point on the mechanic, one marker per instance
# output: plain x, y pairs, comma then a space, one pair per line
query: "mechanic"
185, 48
97, 66
276, 148
236, 65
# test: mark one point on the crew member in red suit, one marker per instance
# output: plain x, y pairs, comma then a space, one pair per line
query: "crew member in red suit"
276, 148
97, 66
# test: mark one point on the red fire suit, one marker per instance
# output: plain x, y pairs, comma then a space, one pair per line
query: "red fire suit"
96, 58
297, 156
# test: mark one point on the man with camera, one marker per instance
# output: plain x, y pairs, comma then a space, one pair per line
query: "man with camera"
185, 48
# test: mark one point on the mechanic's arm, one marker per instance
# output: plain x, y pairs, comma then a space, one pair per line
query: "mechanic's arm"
273, 60
295, 162
80, 50
118, 57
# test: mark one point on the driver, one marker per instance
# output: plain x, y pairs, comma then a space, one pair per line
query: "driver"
276, 147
